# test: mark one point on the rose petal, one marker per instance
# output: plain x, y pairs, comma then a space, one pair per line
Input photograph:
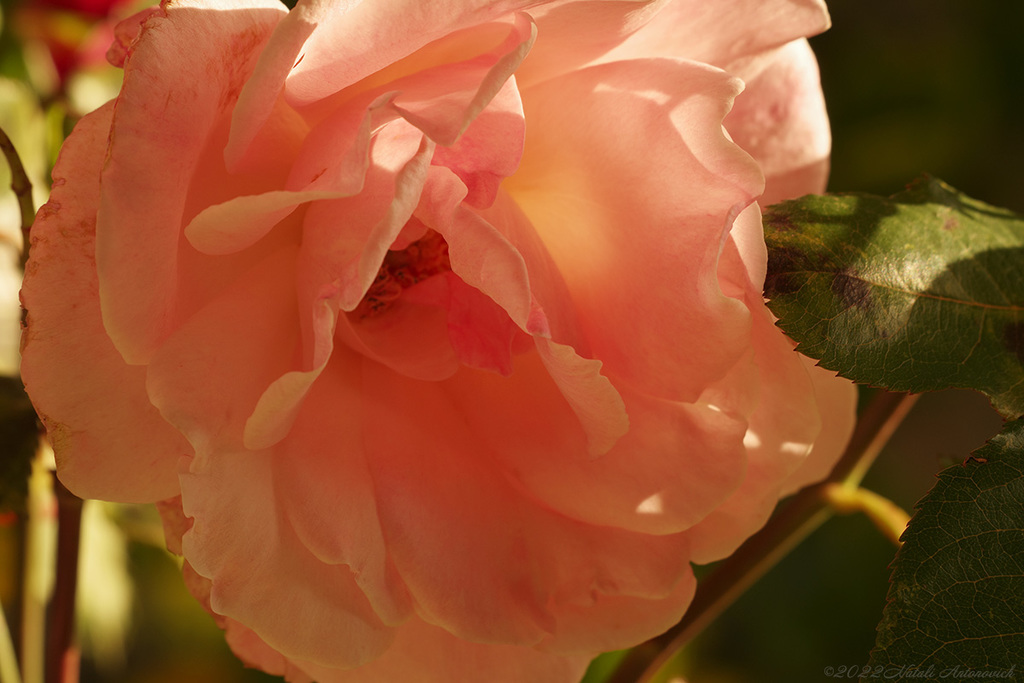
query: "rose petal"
781, 120
436, 656
144, 196
322, 466
207, 377
790, 414
110, 443
674, 465
242, 542
355, 40
490, 149
638, 145
439, 491
719, 33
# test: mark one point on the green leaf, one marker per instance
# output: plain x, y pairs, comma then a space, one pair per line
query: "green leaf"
956, 597
918, 292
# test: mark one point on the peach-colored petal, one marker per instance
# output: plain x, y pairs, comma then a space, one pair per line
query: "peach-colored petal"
593, 399
242, 542
262, 90
433, 655
439, 490
632, 187
674, 465
799, 417
400, 156
480, 255
355, 40
207, 377
127, 32
443, 100
574, 33
781, 121
143, 196
837, 400
115, 446
719, 33
323, 466
240, 222
490, 149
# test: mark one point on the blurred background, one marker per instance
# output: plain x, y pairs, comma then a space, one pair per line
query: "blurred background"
912, 86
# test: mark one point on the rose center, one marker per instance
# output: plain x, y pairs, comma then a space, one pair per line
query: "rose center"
401, 269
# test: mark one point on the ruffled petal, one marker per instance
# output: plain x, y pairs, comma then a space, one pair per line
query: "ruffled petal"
632, 187
145, 196
110, 443
781, 121
440, 492
322, 466
208, 376
436, 656
357, 39
789, 414
720, 33
674, 465
242, 542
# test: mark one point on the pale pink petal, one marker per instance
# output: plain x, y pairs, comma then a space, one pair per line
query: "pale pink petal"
479, 253
573, 33
632, 187
207, 377
322, 466
490, 149
345, 240
110, 443
837, 400
791, 414
144, 196
243, 543
355, 40
261, 93
674, 465
241, 222
595, 401
719, 33
781, 121
428, 654
441, 495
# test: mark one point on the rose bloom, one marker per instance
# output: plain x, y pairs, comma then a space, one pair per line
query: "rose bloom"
436, 328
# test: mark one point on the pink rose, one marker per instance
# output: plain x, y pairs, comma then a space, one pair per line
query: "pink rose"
437, 327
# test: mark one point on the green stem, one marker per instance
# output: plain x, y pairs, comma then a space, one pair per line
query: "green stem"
804, 513
22, 187
889, 517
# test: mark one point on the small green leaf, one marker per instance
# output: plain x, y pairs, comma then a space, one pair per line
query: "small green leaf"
956, 598
918, 292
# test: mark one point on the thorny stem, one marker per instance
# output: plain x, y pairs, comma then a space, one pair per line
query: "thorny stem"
804, 513
22, 187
